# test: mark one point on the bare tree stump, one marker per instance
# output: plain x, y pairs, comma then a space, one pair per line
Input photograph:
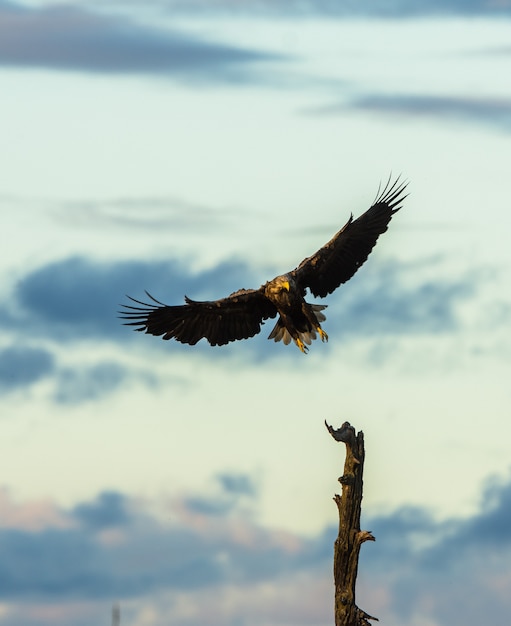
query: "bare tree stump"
350, 538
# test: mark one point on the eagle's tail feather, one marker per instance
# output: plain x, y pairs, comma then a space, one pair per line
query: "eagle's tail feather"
281, 333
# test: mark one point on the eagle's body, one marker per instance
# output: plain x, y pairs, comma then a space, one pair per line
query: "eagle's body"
240, 315
298, 320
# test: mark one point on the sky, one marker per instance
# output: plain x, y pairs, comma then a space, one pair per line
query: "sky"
197, 148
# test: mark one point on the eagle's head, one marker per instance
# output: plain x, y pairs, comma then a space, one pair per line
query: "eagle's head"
280, 284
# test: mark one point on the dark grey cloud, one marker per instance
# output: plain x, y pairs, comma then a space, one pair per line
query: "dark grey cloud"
237, 484
444, 571
108, 510
33, 564
208, 506
77, 298
439, 543
77, 562
489, 531
457, 567
388, 301
491, 113
21, 366
233, 489
65, 37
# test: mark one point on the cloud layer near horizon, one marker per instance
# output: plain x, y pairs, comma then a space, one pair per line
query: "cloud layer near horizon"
199, 547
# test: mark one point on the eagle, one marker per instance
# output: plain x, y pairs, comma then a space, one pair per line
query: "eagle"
241, 315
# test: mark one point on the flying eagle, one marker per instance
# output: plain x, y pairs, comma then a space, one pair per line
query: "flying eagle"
241, 315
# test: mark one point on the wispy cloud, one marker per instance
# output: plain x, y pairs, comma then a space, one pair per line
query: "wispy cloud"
494, 113
491, 112
65, 37
173, 214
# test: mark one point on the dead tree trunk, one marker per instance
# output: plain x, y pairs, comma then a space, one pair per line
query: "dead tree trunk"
350, 538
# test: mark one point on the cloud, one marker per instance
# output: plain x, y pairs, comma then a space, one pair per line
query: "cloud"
237, 484
420, 570
494, 113
109, 509
86, 560
31, 515
170, 213
490, 530
234, 488
75, 385
332, 8
450, 571
76, 299
64, 37
21, 366
395, 299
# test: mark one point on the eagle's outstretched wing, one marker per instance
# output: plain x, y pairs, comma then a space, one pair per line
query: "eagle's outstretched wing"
238, 316
340, 258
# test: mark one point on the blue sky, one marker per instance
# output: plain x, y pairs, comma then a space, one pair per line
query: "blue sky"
200, 147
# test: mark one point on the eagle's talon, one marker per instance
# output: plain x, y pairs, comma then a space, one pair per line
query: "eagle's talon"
302, 346
322, 334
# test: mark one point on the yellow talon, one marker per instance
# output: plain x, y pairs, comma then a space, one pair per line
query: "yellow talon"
301, 345
322, 334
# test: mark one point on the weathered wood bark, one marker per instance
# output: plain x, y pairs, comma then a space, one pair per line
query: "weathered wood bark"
350, 538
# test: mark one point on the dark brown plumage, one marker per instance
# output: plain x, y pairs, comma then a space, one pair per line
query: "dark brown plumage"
240, 315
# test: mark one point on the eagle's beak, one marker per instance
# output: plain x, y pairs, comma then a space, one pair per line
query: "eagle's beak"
285, 284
